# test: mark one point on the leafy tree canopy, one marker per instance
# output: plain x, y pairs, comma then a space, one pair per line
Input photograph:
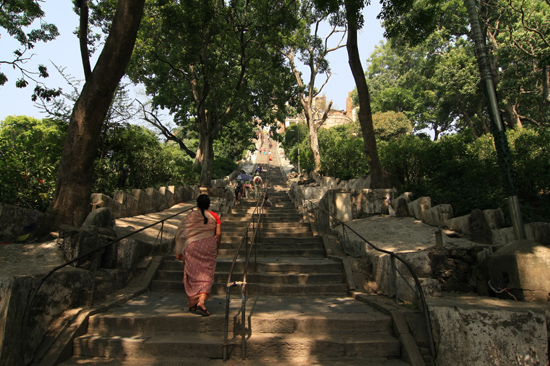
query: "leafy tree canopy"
16, 17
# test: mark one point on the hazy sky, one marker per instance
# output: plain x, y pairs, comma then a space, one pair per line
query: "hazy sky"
64, 52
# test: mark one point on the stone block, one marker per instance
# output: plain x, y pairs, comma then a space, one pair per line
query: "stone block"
361, 183
315, 176
402, 208
313, 193
101, 217
480, 232
329, 182
100, 200
523, 266
374, 201
382, 273
159, 201
129, 205
438, 215
541, 232
145, 201
168, 195
466, 335
419, 206
129, 253
342, 205
408, 196
460, 224
494, 218
343, 184
176, 195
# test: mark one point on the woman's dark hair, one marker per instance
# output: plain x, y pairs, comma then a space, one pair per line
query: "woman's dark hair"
203, 203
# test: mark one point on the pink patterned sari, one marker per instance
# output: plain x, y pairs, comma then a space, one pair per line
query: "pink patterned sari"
196, 241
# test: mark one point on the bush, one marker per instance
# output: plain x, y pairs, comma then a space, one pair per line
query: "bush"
30, 150
464, 172
223, 167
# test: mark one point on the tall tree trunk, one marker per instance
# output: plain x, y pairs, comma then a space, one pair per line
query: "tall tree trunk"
314, 142
71, 201
207, 149
83, 39
545, 90
379, 178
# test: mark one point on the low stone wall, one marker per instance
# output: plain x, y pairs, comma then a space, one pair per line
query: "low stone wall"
62, 291
335, 205
140, 202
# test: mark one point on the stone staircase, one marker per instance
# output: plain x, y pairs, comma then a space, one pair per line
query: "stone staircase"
298, 310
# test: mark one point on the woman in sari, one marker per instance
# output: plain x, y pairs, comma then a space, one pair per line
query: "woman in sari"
197, 242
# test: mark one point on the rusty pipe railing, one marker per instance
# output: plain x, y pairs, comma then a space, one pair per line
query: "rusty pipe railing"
249, 242
394, 270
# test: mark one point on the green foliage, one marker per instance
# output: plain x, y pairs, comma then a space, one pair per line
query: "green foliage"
342, 152
444, 74
435, 84
29, 155
296, 140
223, 167
390, 125
463, 171
129, 157
16, 16
234, 140
531, 158
214, 64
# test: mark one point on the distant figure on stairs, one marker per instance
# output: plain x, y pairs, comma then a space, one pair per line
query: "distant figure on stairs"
197, 241
257, 185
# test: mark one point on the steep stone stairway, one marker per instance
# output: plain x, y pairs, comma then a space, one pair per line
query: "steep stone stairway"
297, 313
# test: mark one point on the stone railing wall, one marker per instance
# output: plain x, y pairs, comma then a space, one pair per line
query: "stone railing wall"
353, 199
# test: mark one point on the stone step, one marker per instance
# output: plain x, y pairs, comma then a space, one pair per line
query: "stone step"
301, 264
279, 243
279, 251
271, 232
270, 278
258, 347
160, 360
283, 328
290, 241
269, 289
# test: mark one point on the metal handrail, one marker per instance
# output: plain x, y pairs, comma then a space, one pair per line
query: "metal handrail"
92, 252
393, 257
249, 242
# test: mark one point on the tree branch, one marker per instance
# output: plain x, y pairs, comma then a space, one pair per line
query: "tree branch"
155, 121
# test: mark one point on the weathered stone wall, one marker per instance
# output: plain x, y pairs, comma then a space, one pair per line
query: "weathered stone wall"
488, 335
323, 198
19, 339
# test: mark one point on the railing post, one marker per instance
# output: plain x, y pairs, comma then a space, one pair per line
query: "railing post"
226, 323
243, 322
394, 274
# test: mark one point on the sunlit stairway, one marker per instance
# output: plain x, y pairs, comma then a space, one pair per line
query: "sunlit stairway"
298, 312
